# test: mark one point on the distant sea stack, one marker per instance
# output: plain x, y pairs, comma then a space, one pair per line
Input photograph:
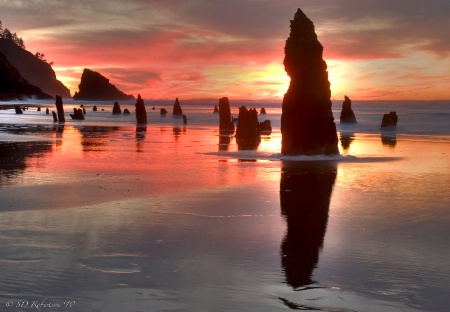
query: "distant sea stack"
141, 113
307, 122
226, 122
347, 114
34, 70
13, 86
177, 111
95, 87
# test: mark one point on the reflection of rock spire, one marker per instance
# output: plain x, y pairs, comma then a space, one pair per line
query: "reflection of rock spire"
307, 122
305, 192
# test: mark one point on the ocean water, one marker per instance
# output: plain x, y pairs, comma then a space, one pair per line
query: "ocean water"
104, 215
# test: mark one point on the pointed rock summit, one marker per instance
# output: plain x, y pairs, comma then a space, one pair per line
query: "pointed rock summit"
95, 87
307, 122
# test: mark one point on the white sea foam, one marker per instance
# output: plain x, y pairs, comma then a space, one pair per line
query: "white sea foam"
255, 155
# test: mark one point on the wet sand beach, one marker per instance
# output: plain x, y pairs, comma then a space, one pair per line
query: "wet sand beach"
102, 215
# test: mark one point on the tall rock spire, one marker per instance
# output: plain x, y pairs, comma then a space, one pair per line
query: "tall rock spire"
307, 122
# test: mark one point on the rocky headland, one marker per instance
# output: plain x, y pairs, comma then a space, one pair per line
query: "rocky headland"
36, 71
13, 86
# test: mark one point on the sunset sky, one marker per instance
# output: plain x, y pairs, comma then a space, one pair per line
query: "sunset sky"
163, 49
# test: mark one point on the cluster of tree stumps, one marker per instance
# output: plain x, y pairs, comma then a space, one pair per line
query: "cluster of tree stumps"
248, 128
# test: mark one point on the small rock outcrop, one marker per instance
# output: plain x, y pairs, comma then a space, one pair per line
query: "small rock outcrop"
94, 109
126, 111
225, 120
177, 111
347, 114
95, 87
13, 86
263, 111
389, 121
248, 134
116, 109
60, 109
47, 111
77, 114
216, 109
141, 113
307, 122
163, 112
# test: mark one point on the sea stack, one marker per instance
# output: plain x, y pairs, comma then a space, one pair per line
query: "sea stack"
141, 113
226, 122
307, 122
177, 111
347, 114
95, 87
60, 109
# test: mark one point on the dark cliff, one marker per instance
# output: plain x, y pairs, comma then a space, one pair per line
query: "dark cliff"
95, 87
15, 87
34, 70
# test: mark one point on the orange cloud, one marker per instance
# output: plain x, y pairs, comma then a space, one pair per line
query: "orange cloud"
202, 48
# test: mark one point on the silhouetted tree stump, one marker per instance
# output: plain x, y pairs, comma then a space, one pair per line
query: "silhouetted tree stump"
77, 114
141, 113
18, 110
177, 111
60, 109
265, 127
389, 121
226, 124
347, 114
248, 135
116, 109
